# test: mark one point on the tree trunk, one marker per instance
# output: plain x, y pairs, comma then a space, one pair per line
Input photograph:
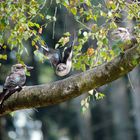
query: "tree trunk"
120, 111
135, 84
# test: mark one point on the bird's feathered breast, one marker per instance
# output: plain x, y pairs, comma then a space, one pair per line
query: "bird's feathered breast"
14, 79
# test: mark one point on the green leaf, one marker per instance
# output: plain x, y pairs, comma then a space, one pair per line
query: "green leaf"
83, 67
99, 95
84, 109
39, 55
33, 43
113, 25
74, 10
27, 72
3, 56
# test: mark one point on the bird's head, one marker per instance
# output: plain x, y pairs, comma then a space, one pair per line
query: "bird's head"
62, 69
121, 34
21, 67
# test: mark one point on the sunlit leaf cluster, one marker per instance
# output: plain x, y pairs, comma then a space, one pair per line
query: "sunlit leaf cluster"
92, 95
17, 25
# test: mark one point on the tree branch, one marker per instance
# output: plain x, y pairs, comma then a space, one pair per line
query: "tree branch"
71, 87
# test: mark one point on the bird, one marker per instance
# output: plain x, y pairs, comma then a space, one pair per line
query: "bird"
62, 62
64, 66
124, 38
14, 81
121, 33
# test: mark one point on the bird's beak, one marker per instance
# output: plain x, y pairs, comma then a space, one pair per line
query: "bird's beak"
29, 68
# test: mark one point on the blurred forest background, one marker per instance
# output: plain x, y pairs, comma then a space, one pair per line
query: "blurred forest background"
116, 117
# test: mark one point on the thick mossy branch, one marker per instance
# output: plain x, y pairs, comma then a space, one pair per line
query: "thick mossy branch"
63, 90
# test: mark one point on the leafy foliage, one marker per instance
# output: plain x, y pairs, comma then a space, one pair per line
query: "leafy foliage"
17, 25
91, 94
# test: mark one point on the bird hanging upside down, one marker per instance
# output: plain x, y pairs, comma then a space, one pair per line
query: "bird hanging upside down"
14, 81
61, 63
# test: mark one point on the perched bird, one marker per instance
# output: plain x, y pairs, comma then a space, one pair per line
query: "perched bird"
62, 62
124, 38
121, 33
14, 81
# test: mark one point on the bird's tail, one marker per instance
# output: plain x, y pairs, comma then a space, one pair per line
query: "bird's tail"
3, 95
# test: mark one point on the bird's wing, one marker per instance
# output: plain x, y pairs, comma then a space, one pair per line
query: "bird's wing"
67, 54
68, 50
